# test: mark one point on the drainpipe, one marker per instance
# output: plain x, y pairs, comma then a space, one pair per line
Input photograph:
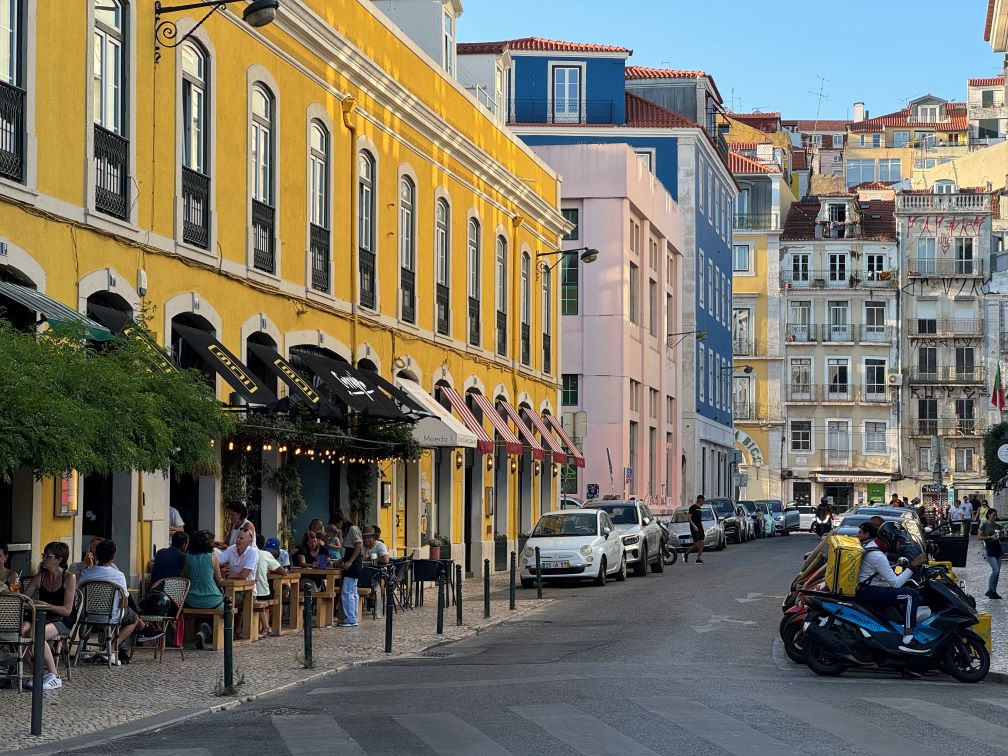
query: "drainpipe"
349, 106
899, 352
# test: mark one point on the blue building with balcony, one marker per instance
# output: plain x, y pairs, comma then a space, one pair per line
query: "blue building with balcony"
572, 93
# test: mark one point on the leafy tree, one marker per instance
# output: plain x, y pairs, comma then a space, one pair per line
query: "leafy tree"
996, 436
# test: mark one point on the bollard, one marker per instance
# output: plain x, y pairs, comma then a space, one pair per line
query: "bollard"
440, 602
389, 609
229, 644
486, 587
307, 620
514, 566
38, 672
458, 594
538, 575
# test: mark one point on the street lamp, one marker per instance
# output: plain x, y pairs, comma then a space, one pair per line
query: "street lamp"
256, 14
673, 343
747, 370
588, 255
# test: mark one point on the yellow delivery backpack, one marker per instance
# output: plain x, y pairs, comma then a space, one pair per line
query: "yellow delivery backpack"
843, 563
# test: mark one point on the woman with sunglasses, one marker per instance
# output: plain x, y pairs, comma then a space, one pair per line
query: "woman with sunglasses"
53, 590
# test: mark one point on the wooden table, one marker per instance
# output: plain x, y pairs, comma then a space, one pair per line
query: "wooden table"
324, 600
246, 588
278, 583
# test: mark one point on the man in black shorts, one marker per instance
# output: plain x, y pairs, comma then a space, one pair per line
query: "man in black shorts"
696, 530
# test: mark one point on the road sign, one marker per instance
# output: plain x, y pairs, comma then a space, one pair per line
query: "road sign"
628, 475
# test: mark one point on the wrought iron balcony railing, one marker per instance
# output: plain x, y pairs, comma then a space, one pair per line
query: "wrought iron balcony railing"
366, 264
407, 289
263, 240
111, 154
12, 132
927, 267
195, 208
441, 302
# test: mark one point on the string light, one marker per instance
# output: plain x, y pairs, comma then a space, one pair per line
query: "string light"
297, 451
230, 445
248, 448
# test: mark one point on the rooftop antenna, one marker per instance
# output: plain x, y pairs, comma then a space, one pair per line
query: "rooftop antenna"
821, 95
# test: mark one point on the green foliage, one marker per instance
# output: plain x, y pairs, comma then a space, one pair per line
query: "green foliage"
993, 440
444, 541
286, 481
67, 405
361, 482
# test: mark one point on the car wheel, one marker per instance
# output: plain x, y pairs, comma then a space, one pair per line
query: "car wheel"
640, 569
528, 583
600, 579
621, 575
658, 565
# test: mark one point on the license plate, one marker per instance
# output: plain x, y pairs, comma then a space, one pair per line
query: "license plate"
555, 565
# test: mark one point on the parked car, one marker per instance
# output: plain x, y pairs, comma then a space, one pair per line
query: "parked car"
786, 520
763, 507
746, 523
714, 533
806, 516
851, 522
642, 538
897, 513
759, 524
725, 510
569, 502
574, 544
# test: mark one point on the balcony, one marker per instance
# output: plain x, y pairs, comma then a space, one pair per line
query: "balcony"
195, 208
743, 345
756, 221
963, 427
565, 111
547, 353
833, 393
926, 267
407, 288
800, 393
828, 280
746, 410
801, 333
263, 251
943, 203
12, 132
838, 332
501, 332
875, 334
944, 328
474, 321
947, 375
319, 238
367, 278
978, 111
441, 302
526, 344
111, 154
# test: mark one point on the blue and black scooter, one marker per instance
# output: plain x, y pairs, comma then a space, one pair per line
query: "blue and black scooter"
840, 633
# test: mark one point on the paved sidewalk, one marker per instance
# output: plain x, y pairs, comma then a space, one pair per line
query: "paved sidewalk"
975, 575
98, 698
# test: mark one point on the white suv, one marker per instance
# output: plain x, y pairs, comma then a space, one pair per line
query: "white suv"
641, 534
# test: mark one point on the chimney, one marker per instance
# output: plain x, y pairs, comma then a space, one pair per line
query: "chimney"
859, 111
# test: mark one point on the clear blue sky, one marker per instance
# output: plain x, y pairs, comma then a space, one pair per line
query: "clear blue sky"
878, 51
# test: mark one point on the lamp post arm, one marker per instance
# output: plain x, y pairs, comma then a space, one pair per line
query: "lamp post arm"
165, 31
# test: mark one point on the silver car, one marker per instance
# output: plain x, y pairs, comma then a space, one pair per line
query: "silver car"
714, 532
642, 537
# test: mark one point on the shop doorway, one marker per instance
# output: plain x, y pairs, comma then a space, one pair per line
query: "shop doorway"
801, 492
842, 497
97, 490
184, 495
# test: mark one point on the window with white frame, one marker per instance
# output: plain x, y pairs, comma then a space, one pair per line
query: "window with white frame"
710, 375
366, 236
963, 248
407, 248
318, 204
875, 437
837, 267
710, 192
646, 157
634, 395
11, 37
653, 253
944, 186
875, 321
448, 43
702, 275
635, 237
547, 319
800, 267
109, 65
501, 293
711, 301
927, 113
740, 258
889, 170
634, 294
926, 256
653, 307
262, 144
838, 378
924, 459
801, 435
442, 264
701, 189
876, 140
701, 373
901, 138
194, 116
525, 307
875, 378
567, 100
473, 248
860, 171
964, 459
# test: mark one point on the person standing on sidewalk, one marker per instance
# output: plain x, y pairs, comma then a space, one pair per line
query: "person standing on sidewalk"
351, 566
696, 530
989, 532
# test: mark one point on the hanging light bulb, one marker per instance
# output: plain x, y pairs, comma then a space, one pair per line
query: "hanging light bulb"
230, 445
297, 451
248, 447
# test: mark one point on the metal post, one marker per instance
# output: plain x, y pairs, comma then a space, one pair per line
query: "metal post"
458, 594
511, 589
38, 657
389, 610
538, 575
440, 602
307, 621
486, 587
229, 644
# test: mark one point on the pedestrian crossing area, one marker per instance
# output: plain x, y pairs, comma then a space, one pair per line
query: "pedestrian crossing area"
781, 725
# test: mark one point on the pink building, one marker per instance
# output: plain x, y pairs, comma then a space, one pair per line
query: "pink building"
621, 382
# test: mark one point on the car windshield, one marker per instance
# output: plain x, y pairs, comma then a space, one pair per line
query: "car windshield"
621, 514
723, 507
680, 515
775, 505
573, 524
806, 510
854, 521
749, 506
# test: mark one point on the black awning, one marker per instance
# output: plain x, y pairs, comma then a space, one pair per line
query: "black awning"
217, 356
52, 310
120, 322
353, 387
407, 402
299, 386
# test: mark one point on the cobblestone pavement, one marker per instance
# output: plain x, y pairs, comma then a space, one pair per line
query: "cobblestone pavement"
975, 575
98, 698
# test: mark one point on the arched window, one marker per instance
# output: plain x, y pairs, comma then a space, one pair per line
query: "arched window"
501, 293
547, 319
473, 249
318, 204
261, 138
366, 226
195, 151
442, 257
407, 248
526, 307
111, 145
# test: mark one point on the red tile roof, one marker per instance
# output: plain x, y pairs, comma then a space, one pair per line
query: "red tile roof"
799, 160
878, 219
818, 125
872, 186
535, 44
741, 164
956, 112
992, 81
641, 113
989, 23
767, 122
642, 72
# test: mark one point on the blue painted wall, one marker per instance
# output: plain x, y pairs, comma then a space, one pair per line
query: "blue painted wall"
604, 82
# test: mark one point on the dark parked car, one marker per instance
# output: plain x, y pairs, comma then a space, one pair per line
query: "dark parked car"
757, 516
725, 511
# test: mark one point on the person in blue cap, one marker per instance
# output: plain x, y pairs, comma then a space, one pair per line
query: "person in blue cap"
281, 555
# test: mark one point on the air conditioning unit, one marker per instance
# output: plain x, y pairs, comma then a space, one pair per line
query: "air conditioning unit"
895, 379
786, 474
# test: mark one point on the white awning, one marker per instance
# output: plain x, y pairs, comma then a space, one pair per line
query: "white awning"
855, 478
441, 429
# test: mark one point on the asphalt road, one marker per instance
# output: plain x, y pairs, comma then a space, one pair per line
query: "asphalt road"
685, 662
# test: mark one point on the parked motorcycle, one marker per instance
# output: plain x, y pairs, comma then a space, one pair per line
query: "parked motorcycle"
840, 633
668, 553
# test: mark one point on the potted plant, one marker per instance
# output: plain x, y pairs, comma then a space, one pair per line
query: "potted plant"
445, 543
435, 548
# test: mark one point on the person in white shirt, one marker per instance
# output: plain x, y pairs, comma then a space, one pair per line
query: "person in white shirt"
375, 552
105, 570
268, 565
239, 562
175, 522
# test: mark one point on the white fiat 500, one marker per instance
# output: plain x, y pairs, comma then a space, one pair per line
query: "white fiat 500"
574, 544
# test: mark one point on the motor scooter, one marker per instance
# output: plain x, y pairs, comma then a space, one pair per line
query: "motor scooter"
822, 525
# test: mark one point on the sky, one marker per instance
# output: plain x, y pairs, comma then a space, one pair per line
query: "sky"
880, 52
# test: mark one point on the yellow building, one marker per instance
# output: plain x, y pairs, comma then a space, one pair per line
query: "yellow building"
317, 184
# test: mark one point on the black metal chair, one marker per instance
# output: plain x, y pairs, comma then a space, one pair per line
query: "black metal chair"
426, 571
402, 590
366, 589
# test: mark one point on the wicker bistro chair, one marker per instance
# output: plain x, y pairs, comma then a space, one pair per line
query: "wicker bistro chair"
15, 609
62, 643
99, 614
176, 588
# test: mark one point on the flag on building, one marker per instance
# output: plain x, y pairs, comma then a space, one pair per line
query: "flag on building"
998, 395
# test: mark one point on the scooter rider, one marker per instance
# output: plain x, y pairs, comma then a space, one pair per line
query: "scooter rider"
880, 587
904, 548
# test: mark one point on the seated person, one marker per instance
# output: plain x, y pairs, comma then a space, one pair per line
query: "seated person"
308, 556
53, 590
239, 562
203, 571
375, 552
105, 569
8, 578
266, 566
281, 555
170, 562
88, 560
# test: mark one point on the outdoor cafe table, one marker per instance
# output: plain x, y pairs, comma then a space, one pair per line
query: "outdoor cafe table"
325, 600
278, 582
234, 588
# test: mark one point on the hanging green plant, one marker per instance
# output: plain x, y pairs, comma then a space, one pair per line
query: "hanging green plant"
361, 483
286, 482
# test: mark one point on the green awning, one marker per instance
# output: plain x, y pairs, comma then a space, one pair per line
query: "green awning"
53, 311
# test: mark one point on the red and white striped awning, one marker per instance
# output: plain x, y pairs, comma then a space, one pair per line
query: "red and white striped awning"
546, 437
523, 430
566, 440
484, 443
511, 443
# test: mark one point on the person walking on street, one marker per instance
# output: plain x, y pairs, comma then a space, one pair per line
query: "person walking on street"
989, 533
696, 530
